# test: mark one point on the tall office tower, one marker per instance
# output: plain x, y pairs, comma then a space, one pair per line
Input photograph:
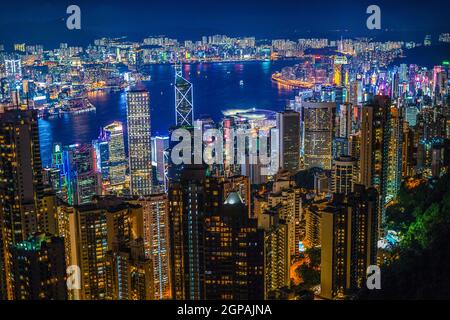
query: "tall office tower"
139, 142
346, 120
184, 99
81, 180
116, 150
190, 200
90, 232
313, 217
318, 123
159, 146
277, 258
373, 160
394, 170
21, 187
101, 158
349, 234
288, 202
13, 67
156, 241
129, 274
233, 247
39, 268
409, 161
343, 175
288, 123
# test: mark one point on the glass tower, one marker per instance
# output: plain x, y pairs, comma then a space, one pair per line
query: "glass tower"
139, 141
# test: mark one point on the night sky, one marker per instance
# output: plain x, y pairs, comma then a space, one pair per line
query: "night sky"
36, 21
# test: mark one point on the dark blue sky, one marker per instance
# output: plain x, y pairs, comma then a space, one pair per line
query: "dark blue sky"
43, 21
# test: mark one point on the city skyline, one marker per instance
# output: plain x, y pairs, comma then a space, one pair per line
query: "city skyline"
44, 22
225, 167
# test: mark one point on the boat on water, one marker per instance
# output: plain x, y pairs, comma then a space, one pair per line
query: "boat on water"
77, 106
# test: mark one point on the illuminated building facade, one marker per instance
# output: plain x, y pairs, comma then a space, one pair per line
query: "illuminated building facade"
39, 268
13, 67
233, 248
82, 182
193, 197
129, 273
116, 153
21, 187
159, 158
139, 141
349, 232
288, 124
343, 175
374, 150
318, 123
277, 257
155, 209
394, 174
96, 228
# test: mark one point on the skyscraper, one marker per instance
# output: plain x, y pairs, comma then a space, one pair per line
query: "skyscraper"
116, 148
159, 146
21, 187
374, 148
318, 123
184, 99
129, 274
277, 256
91, 231
395, 149
343, 175
288, 123
82, 182
348, 242
139, 141
234, 257
190, 199
13, 67
155, 210
39, 268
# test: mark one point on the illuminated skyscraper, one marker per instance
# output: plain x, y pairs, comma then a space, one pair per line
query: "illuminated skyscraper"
343, 175
394, 171
39, 268
116, 151
21, 187
159, 146
184, 99
13, 67
155, 210
190, 200
139, 141
349, 231
318, 123
233, 253
129, 274
374, 150
288, 123
277, 256
82, 182
91, 231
